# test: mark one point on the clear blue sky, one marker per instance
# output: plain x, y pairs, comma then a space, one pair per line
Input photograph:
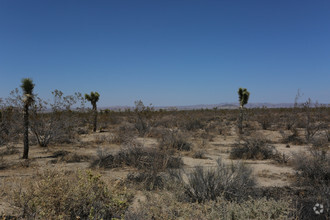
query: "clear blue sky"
168, 52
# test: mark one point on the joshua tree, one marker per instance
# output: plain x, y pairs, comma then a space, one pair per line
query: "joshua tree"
27, 87
93, 98
243, 96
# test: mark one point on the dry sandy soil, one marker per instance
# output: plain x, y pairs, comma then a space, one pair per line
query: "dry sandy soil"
266, 172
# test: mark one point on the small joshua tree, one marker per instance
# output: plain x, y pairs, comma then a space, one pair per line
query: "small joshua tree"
27, 87
243, 96
93, 98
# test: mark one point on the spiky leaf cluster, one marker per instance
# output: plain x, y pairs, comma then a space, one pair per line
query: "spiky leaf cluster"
243, 96
27, 87
93, 97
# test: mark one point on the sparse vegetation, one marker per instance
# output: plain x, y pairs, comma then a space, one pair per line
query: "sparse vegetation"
230, 182
253, 148
173, 139
52, 195
313, 166
167, 206
164, 154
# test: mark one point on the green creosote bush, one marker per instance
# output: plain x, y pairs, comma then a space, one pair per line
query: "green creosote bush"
82, 195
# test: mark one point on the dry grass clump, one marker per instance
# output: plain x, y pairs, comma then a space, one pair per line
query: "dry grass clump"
3, 163
165, 205
173, 139
193, 124
150, 162
138, 157
52, 195
228, 181
314, 167
8, 150
293, 138
68, 157
124, 134
313, 174
253, 148
199, 154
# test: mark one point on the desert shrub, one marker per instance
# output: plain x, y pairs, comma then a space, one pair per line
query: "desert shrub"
166, 206
200, 154
281, 158
69, 157
139, 157
319, 142
173, 139
8, 150
54, 196
314, 204
143, 116
229, 181
101, 139
3, 163
293, 138
10, 125
156, 132
123, 134
149, 179
150, 162
193, 124
313, 167
58, 125
264, 117
167, 121
253, 148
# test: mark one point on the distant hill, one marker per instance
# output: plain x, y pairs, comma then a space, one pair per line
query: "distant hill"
209, 106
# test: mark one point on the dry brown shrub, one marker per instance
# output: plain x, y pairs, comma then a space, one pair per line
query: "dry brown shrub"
124, 134
174, 139
63, 195
165, 205
253, 148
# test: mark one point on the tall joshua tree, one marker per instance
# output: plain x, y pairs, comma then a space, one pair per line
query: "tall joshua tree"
93, 98
27, 87
243, 96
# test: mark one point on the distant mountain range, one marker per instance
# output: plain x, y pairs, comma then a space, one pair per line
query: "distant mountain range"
210, 106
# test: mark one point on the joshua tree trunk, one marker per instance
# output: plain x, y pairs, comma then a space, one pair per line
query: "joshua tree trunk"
95, 117
26, 131
240, 120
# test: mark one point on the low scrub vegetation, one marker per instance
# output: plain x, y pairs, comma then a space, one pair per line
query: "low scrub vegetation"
253, 148
313, 167
174, 140
167, 155
151, 164
52, 195
229, 181
138, 157
166, 206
